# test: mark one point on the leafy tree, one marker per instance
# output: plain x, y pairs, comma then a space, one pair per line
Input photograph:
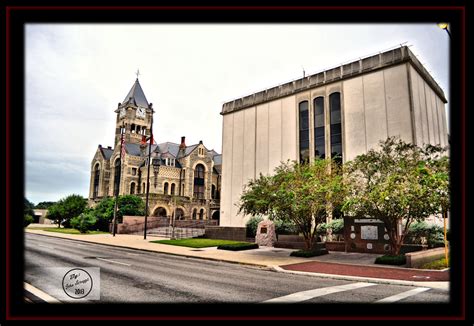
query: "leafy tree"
84, 222
67, 208
28, 212
55, 214
300, 194
27, 220
252, 225
45, 204
104, 213
127, 205
398, 183
130, 205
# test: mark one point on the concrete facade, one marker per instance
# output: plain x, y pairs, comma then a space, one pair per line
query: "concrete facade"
389, 94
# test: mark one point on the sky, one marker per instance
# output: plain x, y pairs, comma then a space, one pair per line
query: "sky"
76, 74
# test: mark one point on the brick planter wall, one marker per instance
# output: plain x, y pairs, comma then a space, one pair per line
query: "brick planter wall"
226, 233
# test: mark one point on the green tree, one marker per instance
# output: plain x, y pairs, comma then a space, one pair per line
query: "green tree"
298, 193
28, 212
45, 204
55, 214
398, 184
67, 208
127, 205
84, 222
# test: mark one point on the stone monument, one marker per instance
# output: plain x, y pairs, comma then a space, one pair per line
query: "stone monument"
266, 235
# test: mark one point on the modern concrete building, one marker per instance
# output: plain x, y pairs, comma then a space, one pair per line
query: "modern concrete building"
343, 111
189, 174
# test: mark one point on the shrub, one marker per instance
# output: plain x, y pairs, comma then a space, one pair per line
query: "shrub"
285, 227
238, 246
337, 226
437, 264
252, 225
27, 220
83, 222
391, 260
309, 253
432, 234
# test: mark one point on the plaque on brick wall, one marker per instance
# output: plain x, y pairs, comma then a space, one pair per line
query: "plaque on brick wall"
369, 232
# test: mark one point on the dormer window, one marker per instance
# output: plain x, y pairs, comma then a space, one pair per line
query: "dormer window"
170, 161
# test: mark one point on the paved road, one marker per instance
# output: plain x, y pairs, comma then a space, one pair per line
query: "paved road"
137, 276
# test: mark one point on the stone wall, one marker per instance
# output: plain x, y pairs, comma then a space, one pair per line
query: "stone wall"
226, 233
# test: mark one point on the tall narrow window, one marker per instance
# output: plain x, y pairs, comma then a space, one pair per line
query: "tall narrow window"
319, 139
213, 192
194, 213
199, 182
165, 190
173, 187
304, 131
117, 177
336, 130
96, 181
132, 188
201, 214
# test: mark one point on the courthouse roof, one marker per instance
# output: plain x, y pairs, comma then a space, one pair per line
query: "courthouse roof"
349, 70
136, 96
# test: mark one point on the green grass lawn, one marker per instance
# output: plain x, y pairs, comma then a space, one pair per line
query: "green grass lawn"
197, 243
68, 231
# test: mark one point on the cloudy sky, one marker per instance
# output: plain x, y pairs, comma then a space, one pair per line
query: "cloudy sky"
77, 74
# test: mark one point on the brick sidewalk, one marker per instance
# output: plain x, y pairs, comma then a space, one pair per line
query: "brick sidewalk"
393, 273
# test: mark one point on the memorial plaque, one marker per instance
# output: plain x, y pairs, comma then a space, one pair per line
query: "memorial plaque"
263, 230
369, 232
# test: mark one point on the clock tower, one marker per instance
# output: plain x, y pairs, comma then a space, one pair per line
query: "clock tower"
135, 115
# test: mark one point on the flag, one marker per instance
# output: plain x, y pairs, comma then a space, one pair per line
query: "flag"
122, 146
150, 138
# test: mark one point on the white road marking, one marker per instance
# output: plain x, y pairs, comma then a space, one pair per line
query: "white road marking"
40, 294
403, 295
306, 295
113, 261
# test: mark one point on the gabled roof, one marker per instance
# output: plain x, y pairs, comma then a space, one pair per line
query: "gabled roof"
136, 96
106, 152
217, 159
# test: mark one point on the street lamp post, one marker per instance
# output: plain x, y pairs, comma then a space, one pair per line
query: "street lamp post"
445, 27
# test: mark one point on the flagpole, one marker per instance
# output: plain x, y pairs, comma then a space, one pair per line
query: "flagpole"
148, 175
114, 221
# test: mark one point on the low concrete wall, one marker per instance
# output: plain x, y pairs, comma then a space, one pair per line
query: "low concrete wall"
226, 233
416, 259
336, 245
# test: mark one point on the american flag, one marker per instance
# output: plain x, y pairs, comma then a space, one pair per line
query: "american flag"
122, 145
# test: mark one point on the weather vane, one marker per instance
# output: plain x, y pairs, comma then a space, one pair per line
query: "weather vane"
137, 73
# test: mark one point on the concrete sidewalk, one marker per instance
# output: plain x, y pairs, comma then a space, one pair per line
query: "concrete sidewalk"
352, 266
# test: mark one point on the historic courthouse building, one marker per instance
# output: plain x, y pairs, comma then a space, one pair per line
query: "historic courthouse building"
183, 179
343, 112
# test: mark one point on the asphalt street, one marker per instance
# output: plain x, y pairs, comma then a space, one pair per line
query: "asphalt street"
138, 276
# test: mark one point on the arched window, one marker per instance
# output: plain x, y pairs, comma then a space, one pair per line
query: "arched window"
179, 214
304, 131
319, 138
201, 213
336, 130
199, 181
213, 192
132, 188
117, 177
173, 187
143, 188
96, 181
132, 128
194, 213
165, 190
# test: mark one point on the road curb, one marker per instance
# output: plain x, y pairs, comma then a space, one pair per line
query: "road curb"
39, 294
439, 285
